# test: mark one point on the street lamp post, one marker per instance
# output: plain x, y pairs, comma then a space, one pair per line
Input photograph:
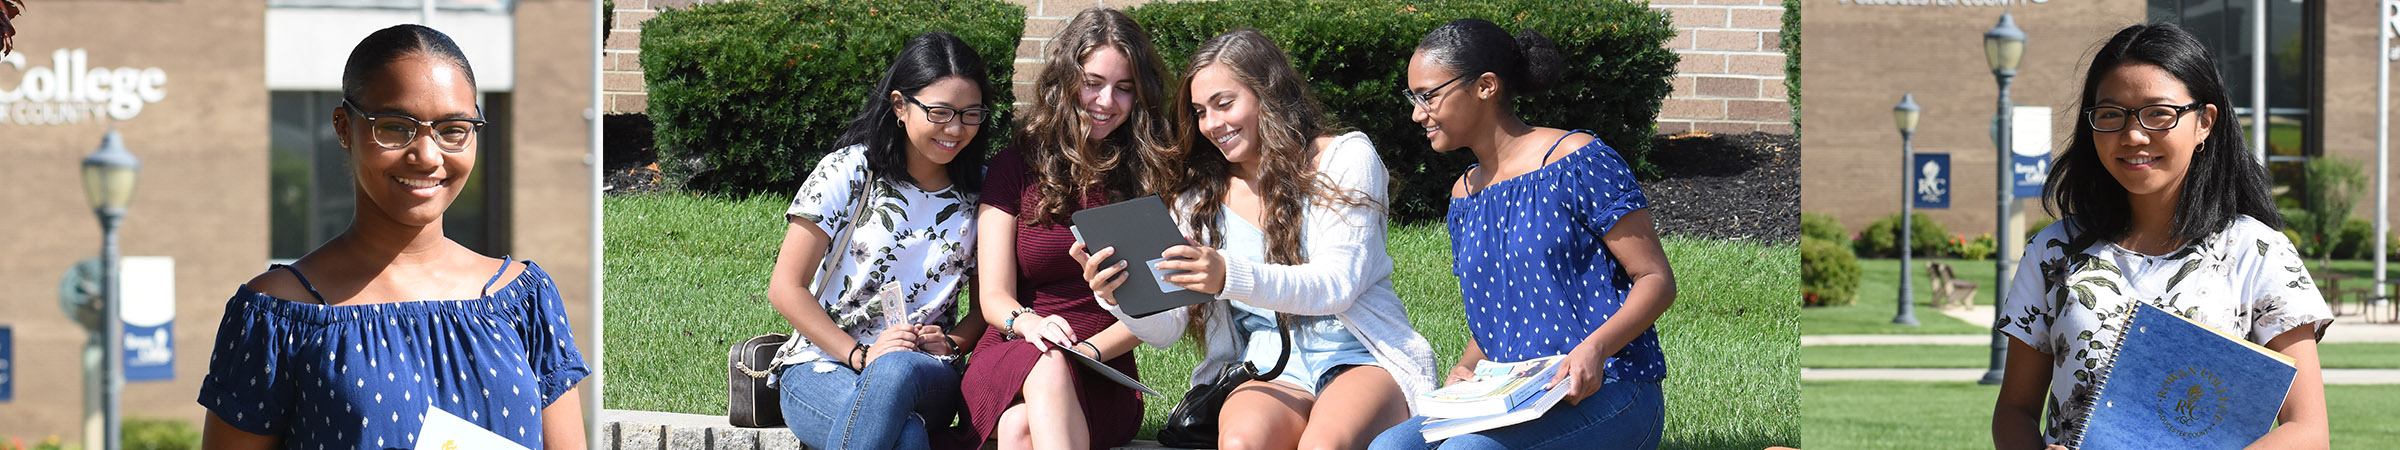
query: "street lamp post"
108, 178
1904, 116
2003, 47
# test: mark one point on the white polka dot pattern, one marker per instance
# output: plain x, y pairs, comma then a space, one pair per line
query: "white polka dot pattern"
1535, 275
385, 386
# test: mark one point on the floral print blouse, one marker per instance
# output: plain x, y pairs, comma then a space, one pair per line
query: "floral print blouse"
910, 239
2070, 303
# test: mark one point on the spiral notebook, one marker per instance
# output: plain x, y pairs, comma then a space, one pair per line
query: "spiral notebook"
2175, 383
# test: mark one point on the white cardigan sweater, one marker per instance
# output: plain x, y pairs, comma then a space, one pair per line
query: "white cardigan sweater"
1348, 276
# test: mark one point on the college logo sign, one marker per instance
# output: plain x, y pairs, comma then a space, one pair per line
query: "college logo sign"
69, 91
1930, 180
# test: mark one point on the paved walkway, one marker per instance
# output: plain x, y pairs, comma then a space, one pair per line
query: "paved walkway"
2346, 329
2332, 376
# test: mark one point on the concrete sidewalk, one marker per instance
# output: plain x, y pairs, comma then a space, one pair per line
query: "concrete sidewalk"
2346, 329
2332, 376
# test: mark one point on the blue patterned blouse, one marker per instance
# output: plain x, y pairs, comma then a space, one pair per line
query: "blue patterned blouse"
362, 376
1536, 276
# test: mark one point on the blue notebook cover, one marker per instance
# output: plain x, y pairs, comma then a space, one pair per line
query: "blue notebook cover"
2175, 383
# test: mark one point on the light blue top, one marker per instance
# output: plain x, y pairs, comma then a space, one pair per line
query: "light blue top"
1321, 343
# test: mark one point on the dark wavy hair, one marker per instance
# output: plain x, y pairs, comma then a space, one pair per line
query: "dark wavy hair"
376, 53
1069, 168
925, 59
1526, 63
2222, 183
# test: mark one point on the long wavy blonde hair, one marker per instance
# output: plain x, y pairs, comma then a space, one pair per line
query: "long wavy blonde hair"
1071, 169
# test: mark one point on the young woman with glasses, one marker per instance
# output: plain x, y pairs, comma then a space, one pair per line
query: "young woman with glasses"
1552, 242
2163, 205
851, 377
1289, 218
393, 321
1089, 139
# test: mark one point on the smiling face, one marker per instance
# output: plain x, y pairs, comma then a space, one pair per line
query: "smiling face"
1228, 113
938, 143
413, 184
2149, 162
1106, 94
1454, 111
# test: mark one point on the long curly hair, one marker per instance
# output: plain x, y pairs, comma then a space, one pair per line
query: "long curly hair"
1069, 167
1289, 121
9, 9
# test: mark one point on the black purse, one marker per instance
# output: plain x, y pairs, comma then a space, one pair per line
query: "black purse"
1193, 423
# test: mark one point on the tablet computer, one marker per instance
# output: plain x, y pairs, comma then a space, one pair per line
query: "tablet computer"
1139, 229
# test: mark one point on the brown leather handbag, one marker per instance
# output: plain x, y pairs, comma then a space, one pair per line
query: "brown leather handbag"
754, 404
750, 401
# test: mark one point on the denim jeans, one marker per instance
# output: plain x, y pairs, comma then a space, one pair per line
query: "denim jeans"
886, 407
1622, 415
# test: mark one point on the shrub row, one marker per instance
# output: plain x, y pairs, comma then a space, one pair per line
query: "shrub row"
748, 95
1355, 53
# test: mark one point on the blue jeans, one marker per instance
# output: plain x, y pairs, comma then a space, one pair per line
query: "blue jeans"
884, 408
1622, 415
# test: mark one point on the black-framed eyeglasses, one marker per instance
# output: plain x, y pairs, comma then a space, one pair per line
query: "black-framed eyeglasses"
944, 114
1425, 99
2161, 117
396, 131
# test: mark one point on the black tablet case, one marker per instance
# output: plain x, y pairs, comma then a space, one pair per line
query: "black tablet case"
1139, 229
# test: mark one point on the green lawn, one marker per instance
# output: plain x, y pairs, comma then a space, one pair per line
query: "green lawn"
2331, 356
686, 279
1878, 287
1920, 415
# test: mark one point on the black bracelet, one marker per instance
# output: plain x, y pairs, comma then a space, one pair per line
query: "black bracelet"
953, 343
858, 354
1095, 348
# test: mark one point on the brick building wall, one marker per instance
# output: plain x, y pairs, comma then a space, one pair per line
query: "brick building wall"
1730, 80
1731, 77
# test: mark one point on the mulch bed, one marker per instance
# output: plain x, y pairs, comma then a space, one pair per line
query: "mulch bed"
1738, 187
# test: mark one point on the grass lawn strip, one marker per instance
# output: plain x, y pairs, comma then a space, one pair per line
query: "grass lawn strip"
1922, 415
2332, 356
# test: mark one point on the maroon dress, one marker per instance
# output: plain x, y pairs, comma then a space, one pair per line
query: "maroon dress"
1052, 284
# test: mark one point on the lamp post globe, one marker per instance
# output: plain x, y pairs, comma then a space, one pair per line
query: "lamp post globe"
1904, 117
108, 179
2003, 48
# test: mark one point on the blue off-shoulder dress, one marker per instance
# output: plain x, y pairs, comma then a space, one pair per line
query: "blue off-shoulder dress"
1537, 280
363, 376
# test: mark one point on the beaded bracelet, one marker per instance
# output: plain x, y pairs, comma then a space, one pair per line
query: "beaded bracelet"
1012, 321
858, 354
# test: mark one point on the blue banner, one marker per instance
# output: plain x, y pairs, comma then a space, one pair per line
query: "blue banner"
2028, 173
8, 366
150, 352
1930, 174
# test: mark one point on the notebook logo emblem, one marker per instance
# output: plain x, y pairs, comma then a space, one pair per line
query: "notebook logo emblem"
2191, 401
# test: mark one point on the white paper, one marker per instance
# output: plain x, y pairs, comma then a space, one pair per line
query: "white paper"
444, 431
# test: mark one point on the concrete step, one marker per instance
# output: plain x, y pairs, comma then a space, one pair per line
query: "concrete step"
651, 430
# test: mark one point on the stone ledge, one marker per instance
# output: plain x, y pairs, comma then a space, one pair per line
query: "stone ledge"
650, 430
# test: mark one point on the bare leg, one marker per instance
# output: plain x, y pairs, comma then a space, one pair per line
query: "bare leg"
1263, 414
1057, 421
1013, 433
1357, 405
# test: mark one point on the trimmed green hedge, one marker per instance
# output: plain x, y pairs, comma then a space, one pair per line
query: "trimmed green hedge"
1356, 53
747, 95
1829, 274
